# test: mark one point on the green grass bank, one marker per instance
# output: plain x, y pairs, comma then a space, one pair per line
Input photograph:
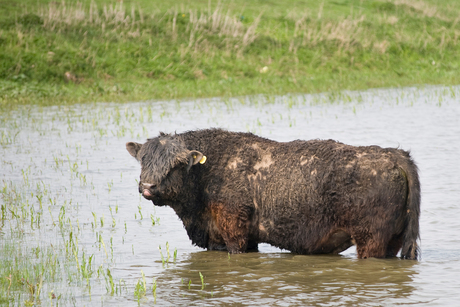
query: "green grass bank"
55, 52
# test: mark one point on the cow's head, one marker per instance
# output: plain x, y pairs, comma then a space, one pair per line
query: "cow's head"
165, 160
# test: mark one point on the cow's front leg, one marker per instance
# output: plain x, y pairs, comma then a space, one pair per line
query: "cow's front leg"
233, 224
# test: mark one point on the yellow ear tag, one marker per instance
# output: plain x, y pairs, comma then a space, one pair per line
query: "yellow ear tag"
203, 160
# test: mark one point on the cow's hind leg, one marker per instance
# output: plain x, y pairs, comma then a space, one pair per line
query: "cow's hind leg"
368, 245
253, 246
394, 245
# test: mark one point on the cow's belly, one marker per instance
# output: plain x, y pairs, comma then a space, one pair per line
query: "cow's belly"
335, 242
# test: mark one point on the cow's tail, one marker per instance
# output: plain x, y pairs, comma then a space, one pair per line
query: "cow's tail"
410, 248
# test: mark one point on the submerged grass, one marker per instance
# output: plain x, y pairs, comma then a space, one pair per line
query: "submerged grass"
64, 52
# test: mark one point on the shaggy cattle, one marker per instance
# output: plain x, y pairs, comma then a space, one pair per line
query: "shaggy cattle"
234, 190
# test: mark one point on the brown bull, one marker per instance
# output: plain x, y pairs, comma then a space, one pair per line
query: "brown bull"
235, 190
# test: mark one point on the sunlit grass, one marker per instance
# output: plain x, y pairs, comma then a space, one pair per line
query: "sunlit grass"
67, 52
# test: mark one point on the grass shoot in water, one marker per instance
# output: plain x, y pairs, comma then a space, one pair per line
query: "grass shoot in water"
154, 290
202, 281
141, 288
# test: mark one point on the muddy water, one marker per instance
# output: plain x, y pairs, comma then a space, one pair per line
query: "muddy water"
74, 160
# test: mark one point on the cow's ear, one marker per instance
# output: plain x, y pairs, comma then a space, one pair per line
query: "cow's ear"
133, 148
194, 157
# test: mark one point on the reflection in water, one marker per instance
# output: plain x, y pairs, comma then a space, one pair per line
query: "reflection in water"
285, 279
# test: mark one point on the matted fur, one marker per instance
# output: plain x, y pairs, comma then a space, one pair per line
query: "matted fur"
309, 197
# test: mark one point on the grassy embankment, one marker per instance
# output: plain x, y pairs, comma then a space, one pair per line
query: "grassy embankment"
62, 52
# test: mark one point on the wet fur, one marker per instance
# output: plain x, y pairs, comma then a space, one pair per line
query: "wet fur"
309, 197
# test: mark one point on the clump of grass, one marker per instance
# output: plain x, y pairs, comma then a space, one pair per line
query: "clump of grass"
155, 220
141, 288
24, 271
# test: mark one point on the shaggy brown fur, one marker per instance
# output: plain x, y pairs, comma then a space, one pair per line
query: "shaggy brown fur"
309, 197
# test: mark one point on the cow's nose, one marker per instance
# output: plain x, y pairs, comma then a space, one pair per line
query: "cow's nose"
147, 186
144, 189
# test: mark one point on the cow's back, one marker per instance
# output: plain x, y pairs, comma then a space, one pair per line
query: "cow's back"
303, 193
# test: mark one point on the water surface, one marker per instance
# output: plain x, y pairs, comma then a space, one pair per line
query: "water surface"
69, 192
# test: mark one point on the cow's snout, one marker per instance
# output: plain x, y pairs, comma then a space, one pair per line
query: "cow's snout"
145, 189
148, 185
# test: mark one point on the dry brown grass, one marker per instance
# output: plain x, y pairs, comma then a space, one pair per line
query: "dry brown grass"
347, 34
126, 23
59, 13
423, 8
192, 30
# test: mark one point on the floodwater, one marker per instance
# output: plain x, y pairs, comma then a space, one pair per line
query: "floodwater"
69, 192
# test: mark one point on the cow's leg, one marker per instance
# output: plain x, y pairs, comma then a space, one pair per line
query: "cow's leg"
253, 246
370, 245
233, 224
394, 245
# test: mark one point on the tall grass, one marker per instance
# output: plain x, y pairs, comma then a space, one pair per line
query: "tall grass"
195, 28
99, 49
